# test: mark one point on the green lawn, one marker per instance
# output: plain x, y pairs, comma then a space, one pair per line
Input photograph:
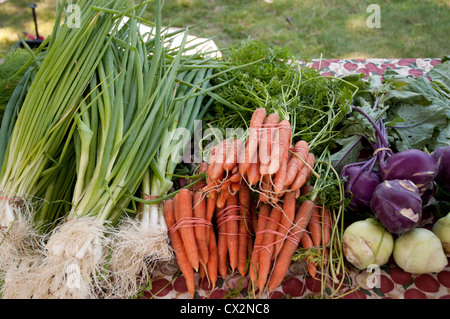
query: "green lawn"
335, 29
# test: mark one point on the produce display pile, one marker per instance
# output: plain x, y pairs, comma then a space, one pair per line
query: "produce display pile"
122, 152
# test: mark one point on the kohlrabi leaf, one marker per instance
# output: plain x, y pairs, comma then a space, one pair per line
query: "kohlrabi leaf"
423, 112
419, 125
441, 72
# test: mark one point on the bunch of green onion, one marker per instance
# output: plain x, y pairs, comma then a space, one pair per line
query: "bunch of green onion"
38, 144
180, 96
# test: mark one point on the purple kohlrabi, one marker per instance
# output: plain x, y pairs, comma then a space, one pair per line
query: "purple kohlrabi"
361, 181
397, 205
414, 165
442, 157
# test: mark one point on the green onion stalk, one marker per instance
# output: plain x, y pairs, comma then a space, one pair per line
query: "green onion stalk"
39, 143
142, 241
117, 130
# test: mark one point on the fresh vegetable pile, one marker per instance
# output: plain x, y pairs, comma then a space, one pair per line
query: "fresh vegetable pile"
98, 188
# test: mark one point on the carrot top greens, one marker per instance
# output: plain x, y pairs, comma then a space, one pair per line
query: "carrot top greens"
273, 79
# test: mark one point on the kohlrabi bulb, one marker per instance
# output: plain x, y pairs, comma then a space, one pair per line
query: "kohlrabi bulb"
397, 205
442, 229
366, 242
419, 251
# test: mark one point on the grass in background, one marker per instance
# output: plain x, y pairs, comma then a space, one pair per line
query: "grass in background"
335, 29
16, 18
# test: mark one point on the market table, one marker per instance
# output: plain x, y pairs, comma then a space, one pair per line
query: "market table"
390, 282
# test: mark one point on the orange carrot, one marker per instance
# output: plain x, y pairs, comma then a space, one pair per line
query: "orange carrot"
244, 201
326, 222
222, 198
212, 265
307, 242
222, 246
217, 170
236, 177
301, 149
230, 157
200, 231
280, 177
243, 245
314, 227
265, 256
275, 198
210, 208
202, 270
263, 215
245, 197
304, 174
232, 228
211, 161
202, 167
287, 220
187, 230
251, 148
273, 152
212, 193
178, 247
234, 148
235, 187
253, 174
287, 251
268, 130
281, 141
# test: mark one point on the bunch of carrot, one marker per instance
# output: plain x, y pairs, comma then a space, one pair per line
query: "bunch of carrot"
280, 232
205, 237
258, 241
247, 215
267, 162
188, 217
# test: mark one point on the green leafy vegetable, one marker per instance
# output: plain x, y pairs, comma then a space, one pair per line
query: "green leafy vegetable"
11, 71
415, 110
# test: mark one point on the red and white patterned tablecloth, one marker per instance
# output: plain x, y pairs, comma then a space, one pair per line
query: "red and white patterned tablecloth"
391, 281
407, 67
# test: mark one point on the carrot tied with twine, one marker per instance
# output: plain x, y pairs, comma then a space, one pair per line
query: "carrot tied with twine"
190, 222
